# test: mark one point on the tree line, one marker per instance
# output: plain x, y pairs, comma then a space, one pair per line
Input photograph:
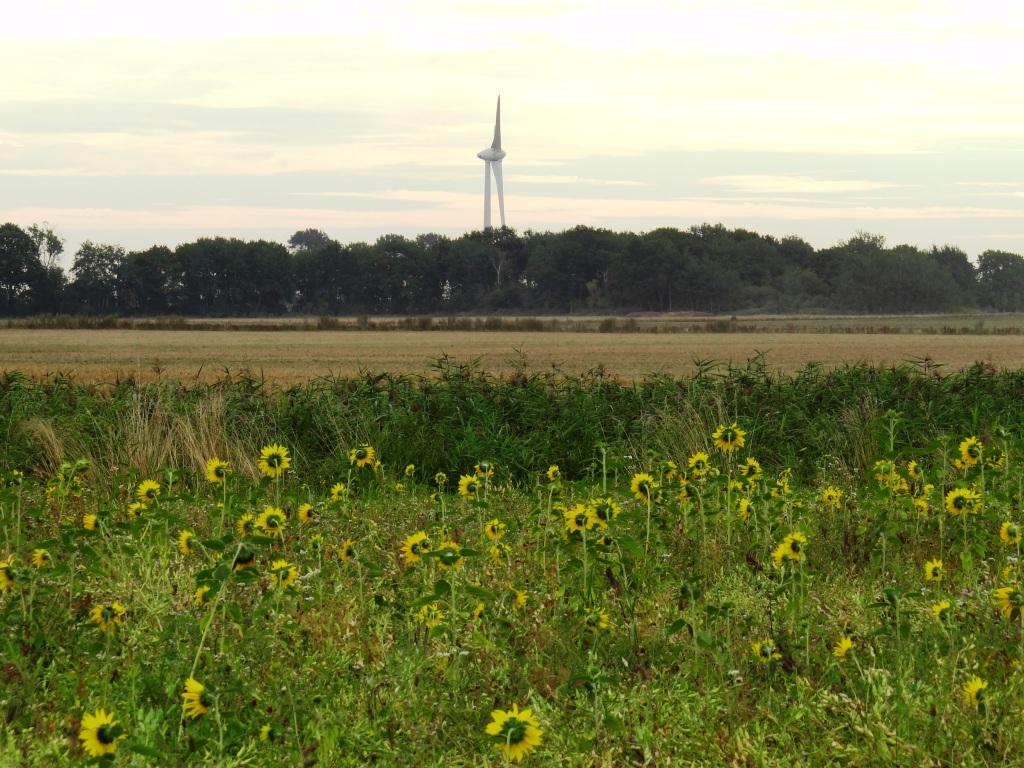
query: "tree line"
707, 268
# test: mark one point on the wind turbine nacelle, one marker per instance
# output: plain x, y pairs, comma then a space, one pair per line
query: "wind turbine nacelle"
491, 154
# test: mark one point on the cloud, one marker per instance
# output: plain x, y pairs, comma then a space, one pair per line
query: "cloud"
794, 184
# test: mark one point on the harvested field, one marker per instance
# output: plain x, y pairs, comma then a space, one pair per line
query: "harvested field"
289, 357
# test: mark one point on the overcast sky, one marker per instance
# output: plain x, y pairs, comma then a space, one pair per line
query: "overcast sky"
144, 123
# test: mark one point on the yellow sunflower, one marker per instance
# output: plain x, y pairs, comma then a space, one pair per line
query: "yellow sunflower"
553, 473
147, 491
347, 551
596, 619
7, 576
338, 491
440, 479
790, 548
962, 501
973, 692
729, 438
185, 542
699, 464
970, 451
430, 615
751, 470
606, 509
410, 470
41, 558
1009, 600
415, 547
469, 486
135, 509
933, 570
831, 496
195, 700
744, 507
306, 513
89, 521
1009, 533
100, 733
245, 525
643, 487
940, 610
449, 555
484, 470
107, 616
494, 529
515, 733
842, 647
499, 551
200, 596
283, 574
272, 522
274, 460
217, 470
362, 456
765, 651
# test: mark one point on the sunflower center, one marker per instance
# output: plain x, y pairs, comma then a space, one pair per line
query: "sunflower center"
515, 730
104, 734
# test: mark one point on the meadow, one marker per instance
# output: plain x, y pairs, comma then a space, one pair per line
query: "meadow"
739, 566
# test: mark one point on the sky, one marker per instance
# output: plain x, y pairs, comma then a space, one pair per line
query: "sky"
141, 123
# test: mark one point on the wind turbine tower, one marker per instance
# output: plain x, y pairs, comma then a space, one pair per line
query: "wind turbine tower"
492, 157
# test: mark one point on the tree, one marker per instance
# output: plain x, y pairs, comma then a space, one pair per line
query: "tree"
21, 272
308, 240
1001, 280
94, 277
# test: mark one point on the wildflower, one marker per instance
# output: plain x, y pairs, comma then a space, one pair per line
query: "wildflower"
274, 461
484, 470
913, 470
245, 525
449, 555
268, 732
399, 487
499, 551
362, 456
430, 615
469, 486
933, 570
7, 575
940, 610
338, 491
643, 487
89, 521
200, 596
100, 733
831, 496
728, 439
970, 451
316, 542
244, 559
996, 460
1009, 533
494, 529
519, 597
478, 611
596, 619
415, 547
751, 470
410, 470
884, 470
283, 574
743, 509
217, 470
306, 513
606, 509
843, 646
515, 732
699, 464
147, 491
781, 488
790, 548
683, 496
553, 473
185, 542
440, 479
579, 517
272, 522
107, 616
972, 692
669, 470
41, 558
347, 551
921, 505
765, 651
195, 701
135, 509
1009, 600
961, 501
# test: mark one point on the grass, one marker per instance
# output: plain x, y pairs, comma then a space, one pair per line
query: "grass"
339, 666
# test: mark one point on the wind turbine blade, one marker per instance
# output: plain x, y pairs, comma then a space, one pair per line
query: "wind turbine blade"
496, 144
501, 190
487, 194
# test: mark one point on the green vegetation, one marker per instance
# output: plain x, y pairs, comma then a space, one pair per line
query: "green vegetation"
707, 268
737, 568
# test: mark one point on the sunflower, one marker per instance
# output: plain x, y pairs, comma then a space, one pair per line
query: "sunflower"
440, 479
478, 611
430, 615
790, 548
1009, 533
728, 439
195, 701
272, 522
338, 491
961, 501
268, 732
1009, 600
494, 529
996, 460
89, 521
913, 470
699, 464
668, 470
415, 547
972, 692
922, 506
7, 575
362, 456
316, 542
107, 616
200, 596
553, 473
933, 570
515, 733
499, 551
185, 542
940, 610
274, 461
781, 488
970, 451
449, 555
578, 518
751, 470
596, 619
605, 509
147, 491
469, 486
244, 559
41, 558
484, 470
643, 487
831, 496
399, 488
245, 525
135, 509
283, 574
519, 597
217, 470
843, 646
683, 497
100, 733
347, 551
743, 509
766, 651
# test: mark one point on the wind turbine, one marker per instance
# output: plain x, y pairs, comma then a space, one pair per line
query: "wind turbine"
492, 157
